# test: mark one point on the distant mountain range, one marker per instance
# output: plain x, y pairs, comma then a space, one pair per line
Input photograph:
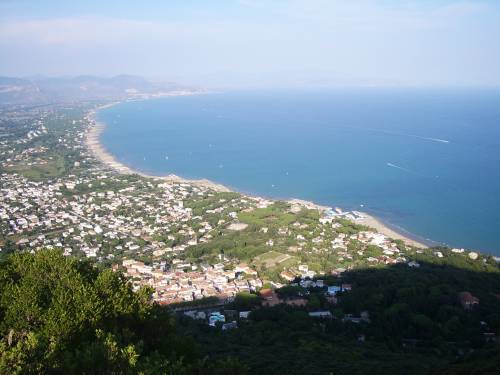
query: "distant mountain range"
40, 90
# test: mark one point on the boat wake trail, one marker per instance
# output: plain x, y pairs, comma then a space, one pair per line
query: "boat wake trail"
428, 139
392, 165
389, 132
399, 167
438, 140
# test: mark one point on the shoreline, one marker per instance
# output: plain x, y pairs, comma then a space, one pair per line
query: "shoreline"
92, 141
380, 226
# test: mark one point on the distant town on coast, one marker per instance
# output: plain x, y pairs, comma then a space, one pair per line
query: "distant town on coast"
300, 187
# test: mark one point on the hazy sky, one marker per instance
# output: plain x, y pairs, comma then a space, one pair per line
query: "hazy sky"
251, 43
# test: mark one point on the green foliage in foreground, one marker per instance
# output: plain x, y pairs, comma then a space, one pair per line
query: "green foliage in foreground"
59, 315
417, 325
205, 301
62, 316
285, 340
246, 301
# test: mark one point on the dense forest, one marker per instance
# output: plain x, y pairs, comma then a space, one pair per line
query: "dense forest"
61, 315
417, 325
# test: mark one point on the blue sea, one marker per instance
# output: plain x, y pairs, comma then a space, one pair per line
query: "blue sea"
424, 161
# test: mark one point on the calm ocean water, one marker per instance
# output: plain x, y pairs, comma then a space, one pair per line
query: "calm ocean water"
425, 161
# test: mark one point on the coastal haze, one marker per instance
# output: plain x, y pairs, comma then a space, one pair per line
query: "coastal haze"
257, 44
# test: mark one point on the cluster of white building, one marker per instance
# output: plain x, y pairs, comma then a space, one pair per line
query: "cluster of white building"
98, 214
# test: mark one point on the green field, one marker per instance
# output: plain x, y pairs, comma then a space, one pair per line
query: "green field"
53, 168
274, 259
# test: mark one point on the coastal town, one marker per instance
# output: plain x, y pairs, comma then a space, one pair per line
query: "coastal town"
228, 268
299, 187
186, 240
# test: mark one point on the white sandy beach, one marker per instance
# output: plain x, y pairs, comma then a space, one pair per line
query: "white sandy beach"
375, 223
97, 149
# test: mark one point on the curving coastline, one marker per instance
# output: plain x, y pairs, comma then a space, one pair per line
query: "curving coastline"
373, 222
102, 155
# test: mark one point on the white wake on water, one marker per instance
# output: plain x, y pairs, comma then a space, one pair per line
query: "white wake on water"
439, 140
429, 139
399, 167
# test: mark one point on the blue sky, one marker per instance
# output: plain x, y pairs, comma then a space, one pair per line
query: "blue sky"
258, 43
